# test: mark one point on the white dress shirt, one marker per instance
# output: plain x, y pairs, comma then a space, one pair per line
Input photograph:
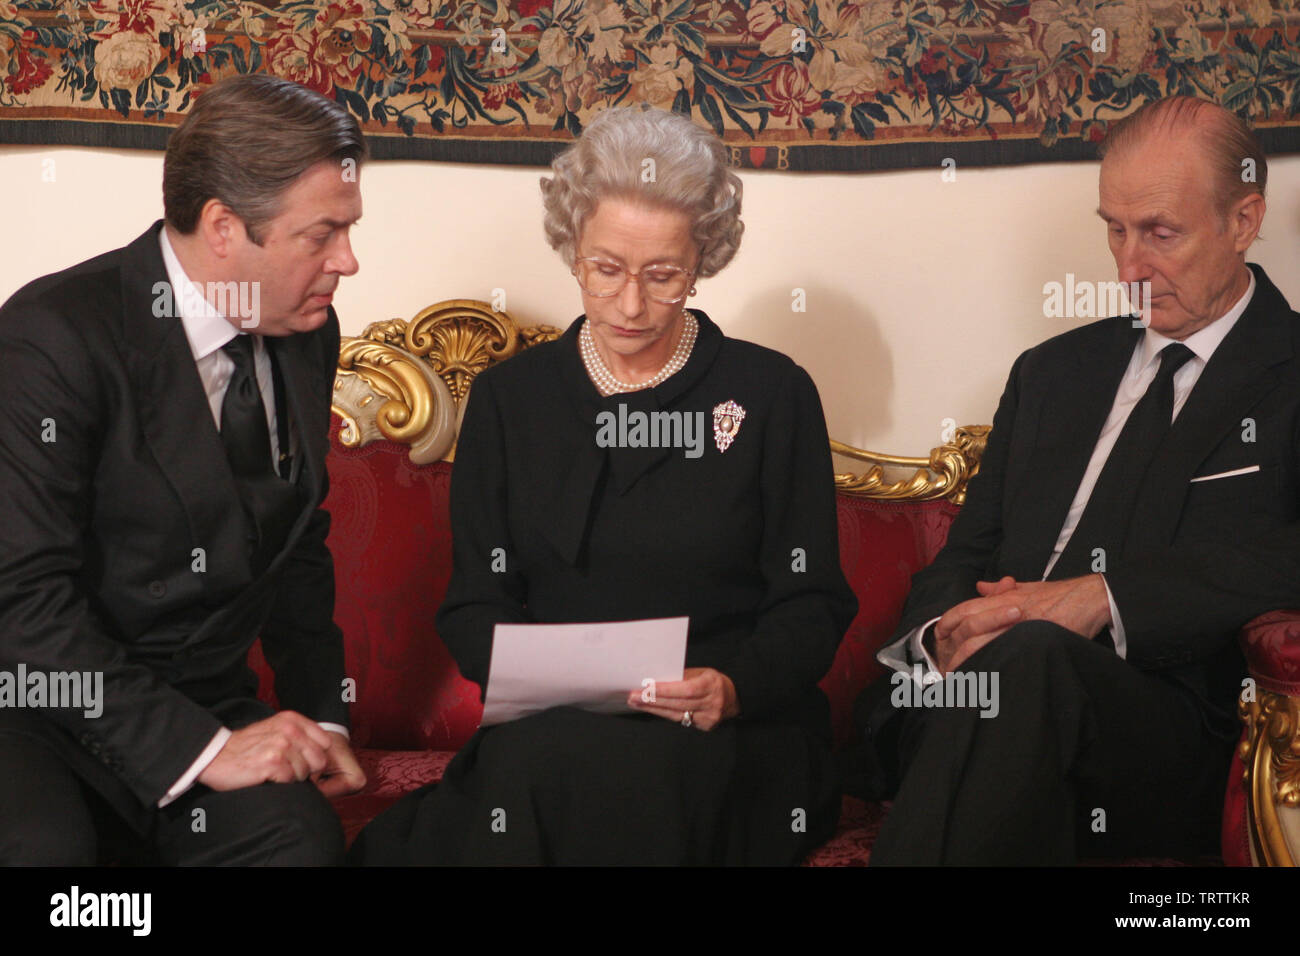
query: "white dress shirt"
207, 331
1142, 368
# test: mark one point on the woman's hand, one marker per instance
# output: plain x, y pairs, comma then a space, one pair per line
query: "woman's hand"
707, 695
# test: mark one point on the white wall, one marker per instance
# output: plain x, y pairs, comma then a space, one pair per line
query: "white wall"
920, 293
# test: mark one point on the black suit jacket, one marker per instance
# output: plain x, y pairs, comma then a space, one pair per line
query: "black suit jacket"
1201, 558
98, 547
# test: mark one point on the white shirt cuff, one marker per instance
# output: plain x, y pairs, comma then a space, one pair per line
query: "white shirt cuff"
187, 779
1116, 625
209, 754
909, 650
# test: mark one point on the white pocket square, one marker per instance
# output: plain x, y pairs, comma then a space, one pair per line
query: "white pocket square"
1228, 474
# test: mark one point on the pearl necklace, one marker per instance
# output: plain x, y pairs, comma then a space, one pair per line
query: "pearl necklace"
605, 381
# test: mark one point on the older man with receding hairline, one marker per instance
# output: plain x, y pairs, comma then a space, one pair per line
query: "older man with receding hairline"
1136, 505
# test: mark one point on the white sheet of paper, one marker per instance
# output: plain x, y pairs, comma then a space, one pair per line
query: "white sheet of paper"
592, 666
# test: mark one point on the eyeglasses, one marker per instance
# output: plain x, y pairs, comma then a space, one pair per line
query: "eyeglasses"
602, 278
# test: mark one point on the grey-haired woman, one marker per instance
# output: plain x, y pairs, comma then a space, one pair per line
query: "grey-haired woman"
729, 520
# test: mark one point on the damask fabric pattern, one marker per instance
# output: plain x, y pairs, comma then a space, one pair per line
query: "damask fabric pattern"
788, 84
1272, 646
391, 542
882, 544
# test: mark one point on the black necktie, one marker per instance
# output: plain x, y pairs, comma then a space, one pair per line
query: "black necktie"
269, 501
243, 416
1107, 516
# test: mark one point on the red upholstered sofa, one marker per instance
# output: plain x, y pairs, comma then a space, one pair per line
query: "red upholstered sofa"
398, 393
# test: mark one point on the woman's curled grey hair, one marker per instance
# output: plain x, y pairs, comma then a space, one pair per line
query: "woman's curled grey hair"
652, 156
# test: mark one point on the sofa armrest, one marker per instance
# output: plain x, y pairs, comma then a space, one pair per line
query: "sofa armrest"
1270, 746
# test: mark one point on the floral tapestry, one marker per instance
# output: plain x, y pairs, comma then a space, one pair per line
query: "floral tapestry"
788, 84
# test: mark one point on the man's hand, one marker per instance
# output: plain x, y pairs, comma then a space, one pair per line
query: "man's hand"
1077, 604
281, 749
709, 695
342, 774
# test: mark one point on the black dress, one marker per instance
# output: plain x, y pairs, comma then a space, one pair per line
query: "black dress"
742, 541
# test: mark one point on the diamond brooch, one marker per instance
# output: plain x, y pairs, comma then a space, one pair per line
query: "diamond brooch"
726, 423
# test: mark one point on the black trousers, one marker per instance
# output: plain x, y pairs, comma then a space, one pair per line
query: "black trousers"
1087, 757
51, 815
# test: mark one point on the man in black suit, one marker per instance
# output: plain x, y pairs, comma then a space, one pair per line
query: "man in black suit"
164, 411
1136, 504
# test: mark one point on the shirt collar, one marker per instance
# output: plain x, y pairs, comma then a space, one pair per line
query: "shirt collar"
205, 327
1204, 341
